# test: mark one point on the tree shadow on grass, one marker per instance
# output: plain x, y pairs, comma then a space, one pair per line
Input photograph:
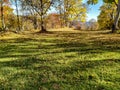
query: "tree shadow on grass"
26, 63
23, 45
65, 75
41, 69
96, 63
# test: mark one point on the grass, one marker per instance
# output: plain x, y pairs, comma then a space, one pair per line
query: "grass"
60, 60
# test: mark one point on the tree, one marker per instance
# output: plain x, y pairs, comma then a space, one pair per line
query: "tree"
92, 25
58, 4
54, 17
40, 7
3, 2
28, 11
116, 19
8, 14
107, 15
70, 10
75, 10
17, 11
115, 24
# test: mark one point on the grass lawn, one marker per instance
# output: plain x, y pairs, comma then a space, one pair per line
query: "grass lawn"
60, 60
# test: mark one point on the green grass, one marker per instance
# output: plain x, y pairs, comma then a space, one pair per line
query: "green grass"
60, 60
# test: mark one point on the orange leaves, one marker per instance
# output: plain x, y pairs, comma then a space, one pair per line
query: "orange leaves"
55, 18
5, 0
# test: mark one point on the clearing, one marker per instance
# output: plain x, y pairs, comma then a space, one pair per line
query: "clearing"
60, 60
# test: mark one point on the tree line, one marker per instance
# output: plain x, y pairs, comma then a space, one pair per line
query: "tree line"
19, 14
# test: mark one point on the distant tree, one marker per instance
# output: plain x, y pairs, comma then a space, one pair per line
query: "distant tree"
70, 10
92, 24
55, 18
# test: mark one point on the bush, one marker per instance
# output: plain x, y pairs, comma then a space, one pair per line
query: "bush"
27, 25
77, 27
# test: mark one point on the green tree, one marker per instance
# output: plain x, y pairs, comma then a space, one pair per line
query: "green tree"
116, 19
70, 10
107, 14
2, 3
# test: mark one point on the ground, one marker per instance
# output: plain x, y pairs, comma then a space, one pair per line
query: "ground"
60, 60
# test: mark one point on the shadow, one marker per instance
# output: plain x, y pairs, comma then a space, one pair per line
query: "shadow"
35, 61
27, 46
88, 64
47, 71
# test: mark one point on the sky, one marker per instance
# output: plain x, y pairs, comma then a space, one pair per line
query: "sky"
93, 10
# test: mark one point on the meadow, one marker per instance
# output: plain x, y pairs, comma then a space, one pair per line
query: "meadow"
60, 60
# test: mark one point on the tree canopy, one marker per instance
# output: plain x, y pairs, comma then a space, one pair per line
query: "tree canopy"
116, 19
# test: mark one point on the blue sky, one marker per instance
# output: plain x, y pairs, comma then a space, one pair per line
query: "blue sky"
93, 10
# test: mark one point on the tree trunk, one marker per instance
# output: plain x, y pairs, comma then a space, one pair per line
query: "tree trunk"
70, 24
18, 19
115, 24
60, 13
43, 29
2, 16
35, 23
42, 22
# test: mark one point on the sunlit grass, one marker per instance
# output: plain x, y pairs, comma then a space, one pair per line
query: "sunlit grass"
60, 60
